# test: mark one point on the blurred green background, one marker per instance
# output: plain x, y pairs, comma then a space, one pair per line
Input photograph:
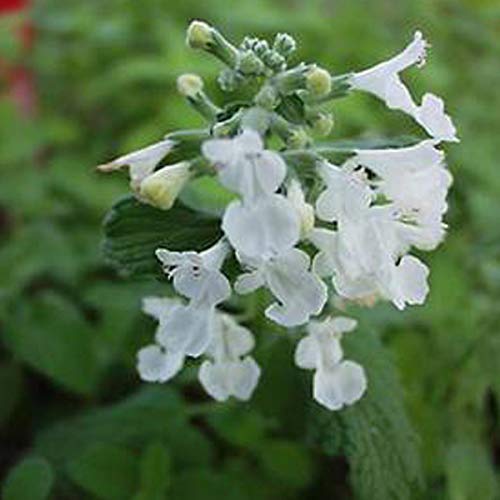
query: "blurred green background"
75, 421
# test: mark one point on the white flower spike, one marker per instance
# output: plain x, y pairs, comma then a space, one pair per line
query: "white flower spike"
229, 371
337, 383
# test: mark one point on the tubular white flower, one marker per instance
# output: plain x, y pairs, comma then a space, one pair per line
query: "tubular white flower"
154, 364
244, 166
383, 81
266, 228
337, 383
300, 293
141, 163
197, 276
229, 372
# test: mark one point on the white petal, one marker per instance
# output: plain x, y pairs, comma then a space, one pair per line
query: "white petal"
244, 378
204, 287
187, 329
343, 324
352, 381
412, 283
238, 339
327, 390
300, 293
261, 230
154, 365
307, 353
158, 307
249, 282
341, 385
214, 379
432, 117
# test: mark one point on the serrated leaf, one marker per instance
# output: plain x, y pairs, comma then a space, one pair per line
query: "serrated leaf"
374, 434
107, 471
31, 479
133, 231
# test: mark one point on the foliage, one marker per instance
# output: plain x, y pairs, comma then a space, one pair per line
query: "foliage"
74, 420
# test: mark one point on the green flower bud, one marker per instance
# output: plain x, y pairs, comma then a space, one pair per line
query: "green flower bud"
199, 35
298, 138
267, 98
318, 82
284, 44
189, 85
322, 124
249, 63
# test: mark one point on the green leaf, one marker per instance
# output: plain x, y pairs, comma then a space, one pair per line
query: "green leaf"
374, 434
287, 462
155, 413
133, 231
52, 336
10, 390
31, 479
470, 473
107, 471
154, 473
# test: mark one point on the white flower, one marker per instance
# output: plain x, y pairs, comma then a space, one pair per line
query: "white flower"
266, 228
244, 166
304, 210
383, 81
337, 383
229, 372
159, 362
363, 257
414, 178
300, 293
347, 193
197, 276
141, 163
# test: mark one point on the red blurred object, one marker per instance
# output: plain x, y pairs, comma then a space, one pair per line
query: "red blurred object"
12, 5
19, 80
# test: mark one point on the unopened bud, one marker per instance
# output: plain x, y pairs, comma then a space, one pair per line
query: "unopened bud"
162, 187
318, 82
199, 35
322, 124
249, 63
298, 138
189, 85
267, 98
284, 44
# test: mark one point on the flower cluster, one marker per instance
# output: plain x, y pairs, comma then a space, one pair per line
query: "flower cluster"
299, 225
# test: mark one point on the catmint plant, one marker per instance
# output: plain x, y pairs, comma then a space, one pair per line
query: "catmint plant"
311, 222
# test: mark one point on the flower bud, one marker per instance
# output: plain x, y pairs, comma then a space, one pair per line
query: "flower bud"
199, 35
189, 85
318, 82
162, 187
322, 124
284, 44
250, 64
267, 98
298, 138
